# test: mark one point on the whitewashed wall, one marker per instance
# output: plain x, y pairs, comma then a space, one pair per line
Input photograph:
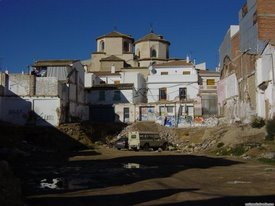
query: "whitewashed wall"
126, 97
18, 110
172, 81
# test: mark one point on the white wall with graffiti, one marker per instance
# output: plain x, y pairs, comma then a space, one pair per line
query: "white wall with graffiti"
170, 115
42, 111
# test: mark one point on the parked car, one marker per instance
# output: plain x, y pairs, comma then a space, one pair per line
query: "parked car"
146, 140
121, 143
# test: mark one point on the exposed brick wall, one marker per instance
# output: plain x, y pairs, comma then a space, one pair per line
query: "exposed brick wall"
266, 19
235, 45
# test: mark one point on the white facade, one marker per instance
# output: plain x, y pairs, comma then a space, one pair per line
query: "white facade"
41, 111
265, 82
172, 78
112, 88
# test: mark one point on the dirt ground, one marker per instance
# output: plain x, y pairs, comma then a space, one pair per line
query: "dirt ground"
110, 177
73, 165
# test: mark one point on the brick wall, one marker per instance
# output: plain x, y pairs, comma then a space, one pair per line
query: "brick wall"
266, 19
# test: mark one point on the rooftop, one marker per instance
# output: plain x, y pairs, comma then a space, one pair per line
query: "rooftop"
175, 64
112, 58
152, 37
115, 34
57, 62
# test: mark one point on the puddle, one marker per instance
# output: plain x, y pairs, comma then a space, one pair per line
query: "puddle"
238, 182
132, 166
138, 166
54, 184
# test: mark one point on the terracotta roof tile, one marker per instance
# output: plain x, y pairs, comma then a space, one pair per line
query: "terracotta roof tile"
115, 34
152, 37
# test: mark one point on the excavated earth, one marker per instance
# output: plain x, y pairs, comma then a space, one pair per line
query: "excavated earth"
75, 164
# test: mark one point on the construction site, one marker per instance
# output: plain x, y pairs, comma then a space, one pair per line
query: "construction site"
75, 164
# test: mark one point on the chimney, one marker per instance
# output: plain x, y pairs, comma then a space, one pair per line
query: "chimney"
113, 69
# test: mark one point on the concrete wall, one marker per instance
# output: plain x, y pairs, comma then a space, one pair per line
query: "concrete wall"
46, 86
42, 111
171, 115
126, 97
20, 84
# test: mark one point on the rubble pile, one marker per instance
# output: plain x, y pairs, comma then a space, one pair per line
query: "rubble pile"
235, 139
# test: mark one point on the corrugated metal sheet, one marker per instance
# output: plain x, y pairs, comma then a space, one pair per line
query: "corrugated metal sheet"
60, 72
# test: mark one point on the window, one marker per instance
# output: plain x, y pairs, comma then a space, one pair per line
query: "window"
138, 53
117, 96
170, 109
210, 82
126, 114
153, 53
101, 96
186, 72
183, 93
162, 94
164, 73
125, 46
102, 45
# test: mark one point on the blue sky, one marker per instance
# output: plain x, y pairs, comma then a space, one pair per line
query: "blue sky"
33, 30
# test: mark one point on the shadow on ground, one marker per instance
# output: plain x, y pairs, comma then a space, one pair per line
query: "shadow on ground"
95, 174
145, 196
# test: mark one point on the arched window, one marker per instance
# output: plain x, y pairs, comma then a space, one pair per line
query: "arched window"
125, 46
138, 53
153, 52
102, 45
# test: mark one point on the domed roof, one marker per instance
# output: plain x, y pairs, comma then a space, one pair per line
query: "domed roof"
153, 37
115, 34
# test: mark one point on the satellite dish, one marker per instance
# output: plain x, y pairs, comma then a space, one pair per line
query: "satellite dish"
153, 71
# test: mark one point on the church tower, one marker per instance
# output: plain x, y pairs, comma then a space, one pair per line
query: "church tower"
151, 48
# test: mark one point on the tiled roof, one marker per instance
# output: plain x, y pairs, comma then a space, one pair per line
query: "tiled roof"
174, 63
112, 58
58, 62
152, 37
115, 34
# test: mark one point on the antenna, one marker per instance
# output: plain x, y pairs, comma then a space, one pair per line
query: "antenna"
151, 28
1, 58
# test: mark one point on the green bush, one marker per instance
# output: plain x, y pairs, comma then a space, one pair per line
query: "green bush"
238, 150
270, 129
257, 122
221, 144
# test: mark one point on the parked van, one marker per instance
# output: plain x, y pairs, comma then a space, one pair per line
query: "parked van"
146, 140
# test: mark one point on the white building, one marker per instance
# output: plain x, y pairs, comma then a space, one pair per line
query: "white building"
52, 94
172, 81
265, 82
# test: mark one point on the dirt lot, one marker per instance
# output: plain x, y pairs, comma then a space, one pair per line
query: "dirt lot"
73, 165
110, 177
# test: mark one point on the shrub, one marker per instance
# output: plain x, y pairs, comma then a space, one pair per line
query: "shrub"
221, 144
270, 129
257, 122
